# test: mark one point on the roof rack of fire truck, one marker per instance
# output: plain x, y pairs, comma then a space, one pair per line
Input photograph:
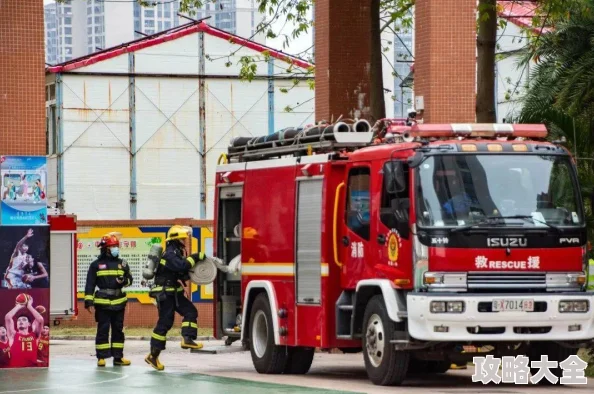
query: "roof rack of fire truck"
320, 138
328, 138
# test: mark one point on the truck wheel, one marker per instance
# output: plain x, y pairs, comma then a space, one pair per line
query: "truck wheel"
555, 352
299, 361
267, 357
384, 364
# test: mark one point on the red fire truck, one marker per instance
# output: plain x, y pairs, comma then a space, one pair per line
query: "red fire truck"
420, 246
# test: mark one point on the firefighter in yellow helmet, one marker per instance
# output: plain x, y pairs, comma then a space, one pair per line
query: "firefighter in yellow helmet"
171, 272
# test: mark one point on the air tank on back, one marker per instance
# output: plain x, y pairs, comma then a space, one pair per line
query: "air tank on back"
152, 260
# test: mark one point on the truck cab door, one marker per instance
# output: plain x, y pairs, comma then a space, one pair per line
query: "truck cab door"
394, 248
358, 224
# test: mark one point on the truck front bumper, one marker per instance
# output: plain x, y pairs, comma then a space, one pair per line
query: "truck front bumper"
477, 321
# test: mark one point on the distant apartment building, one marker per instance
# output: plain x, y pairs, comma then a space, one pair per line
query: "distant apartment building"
76, 28
58, 32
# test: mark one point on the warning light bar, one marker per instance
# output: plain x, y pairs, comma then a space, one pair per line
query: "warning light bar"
479, 130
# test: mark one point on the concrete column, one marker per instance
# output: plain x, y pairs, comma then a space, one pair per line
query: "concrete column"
342, 53
445, 60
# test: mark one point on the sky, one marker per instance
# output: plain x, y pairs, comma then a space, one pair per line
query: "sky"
296, 45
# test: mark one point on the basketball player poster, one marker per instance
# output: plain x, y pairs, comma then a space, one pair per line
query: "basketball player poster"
24, 257
24, 296
24, 328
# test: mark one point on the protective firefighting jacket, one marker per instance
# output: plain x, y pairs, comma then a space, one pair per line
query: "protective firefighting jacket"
174, 267
109, 274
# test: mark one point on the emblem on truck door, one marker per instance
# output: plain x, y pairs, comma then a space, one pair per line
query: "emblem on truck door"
507, 242
394, 244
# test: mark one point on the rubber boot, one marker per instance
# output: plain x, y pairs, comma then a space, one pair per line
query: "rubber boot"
121, 362
153, 359
188, 343
101, 362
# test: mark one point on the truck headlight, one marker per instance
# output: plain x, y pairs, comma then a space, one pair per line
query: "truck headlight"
432, 278
564, 280
578, 306
447, 306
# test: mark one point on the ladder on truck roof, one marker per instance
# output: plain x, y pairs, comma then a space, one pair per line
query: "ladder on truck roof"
321, 138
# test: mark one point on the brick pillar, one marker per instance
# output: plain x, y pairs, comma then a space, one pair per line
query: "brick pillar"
342, 58
445, 60
22, 78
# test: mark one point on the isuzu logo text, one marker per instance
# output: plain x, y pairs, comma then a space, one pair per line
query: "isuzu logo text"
507, 242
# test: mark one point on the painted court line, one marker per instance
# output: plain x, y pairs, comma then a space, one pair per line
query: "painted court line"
70, 386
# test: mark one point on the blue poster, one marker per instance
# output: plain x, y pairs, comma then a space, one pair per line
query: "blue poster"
23, 190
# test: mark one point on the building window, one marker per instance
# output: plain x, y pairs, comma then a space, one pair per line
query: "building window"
68, 30
149, 13
68, 20
149, 23
68, 40
167, 25
89, 30
90, 41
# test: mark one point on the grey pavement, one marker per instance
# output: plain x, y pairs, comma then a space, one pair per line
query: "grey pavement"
343, 372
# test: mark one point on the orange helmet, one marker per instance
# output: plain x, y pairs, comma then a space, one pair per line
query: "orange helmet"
109, 240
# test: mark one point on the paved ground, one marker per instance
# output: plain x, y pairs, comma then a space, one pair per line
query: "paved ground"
73, 370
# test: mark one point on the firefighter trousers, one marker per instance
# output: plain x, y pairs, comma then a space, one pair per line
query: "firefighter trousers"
167, 308
107, 319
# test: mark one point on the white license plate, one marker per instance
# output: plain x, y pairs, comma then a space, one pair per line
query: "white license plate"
514, 305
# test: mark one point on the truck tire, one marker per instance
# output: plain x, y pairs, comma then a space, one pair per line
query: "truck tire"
299, 360
555, 352
267, 357
385, 365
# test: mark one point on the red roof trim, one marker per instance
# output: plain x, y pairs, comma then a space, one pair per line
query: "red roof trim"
520, 13
172, 35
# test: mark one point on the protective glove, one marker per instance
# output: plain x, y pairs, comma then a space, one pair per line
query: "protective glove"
197, 256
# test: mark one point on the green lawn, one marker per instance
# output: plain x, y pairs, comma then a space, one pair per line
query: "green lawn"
129, 331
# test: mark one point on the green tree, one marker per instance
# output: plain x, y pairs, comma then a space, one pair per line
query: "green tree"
561, 89
385, 14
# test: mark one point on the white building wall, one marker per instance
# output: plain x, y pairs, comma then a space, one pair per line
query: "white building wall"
118, 29
167, 140
510, 79
97, 169
96, 146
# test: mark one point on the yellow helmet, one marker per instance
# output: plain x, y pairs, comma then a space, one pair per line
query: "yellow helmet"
178, 232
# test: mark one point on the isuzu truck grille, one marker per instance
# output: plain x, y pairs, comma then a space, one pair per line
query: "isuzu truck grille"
506, 280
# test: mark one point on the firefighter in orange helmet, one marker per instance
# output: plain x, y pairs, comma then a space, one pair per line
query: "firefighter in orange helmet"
110, 274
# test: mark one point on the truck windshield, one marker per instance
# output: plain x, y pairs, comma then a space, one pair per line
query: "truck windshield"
462, 190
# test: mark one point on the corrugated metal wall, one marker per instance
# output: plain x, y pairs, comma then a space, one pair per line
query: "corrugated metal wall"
139, 134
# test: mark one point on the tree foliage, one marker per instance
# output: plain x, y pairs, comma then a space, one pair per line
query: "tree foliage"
295, 19
561, 89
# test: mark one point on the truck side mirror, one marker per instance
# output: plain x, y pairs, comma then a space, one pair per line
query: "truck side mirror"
394, 173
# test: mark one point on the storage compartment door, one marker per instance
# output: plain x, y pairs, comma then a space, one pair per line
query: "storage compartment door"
308, 243
62, 291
